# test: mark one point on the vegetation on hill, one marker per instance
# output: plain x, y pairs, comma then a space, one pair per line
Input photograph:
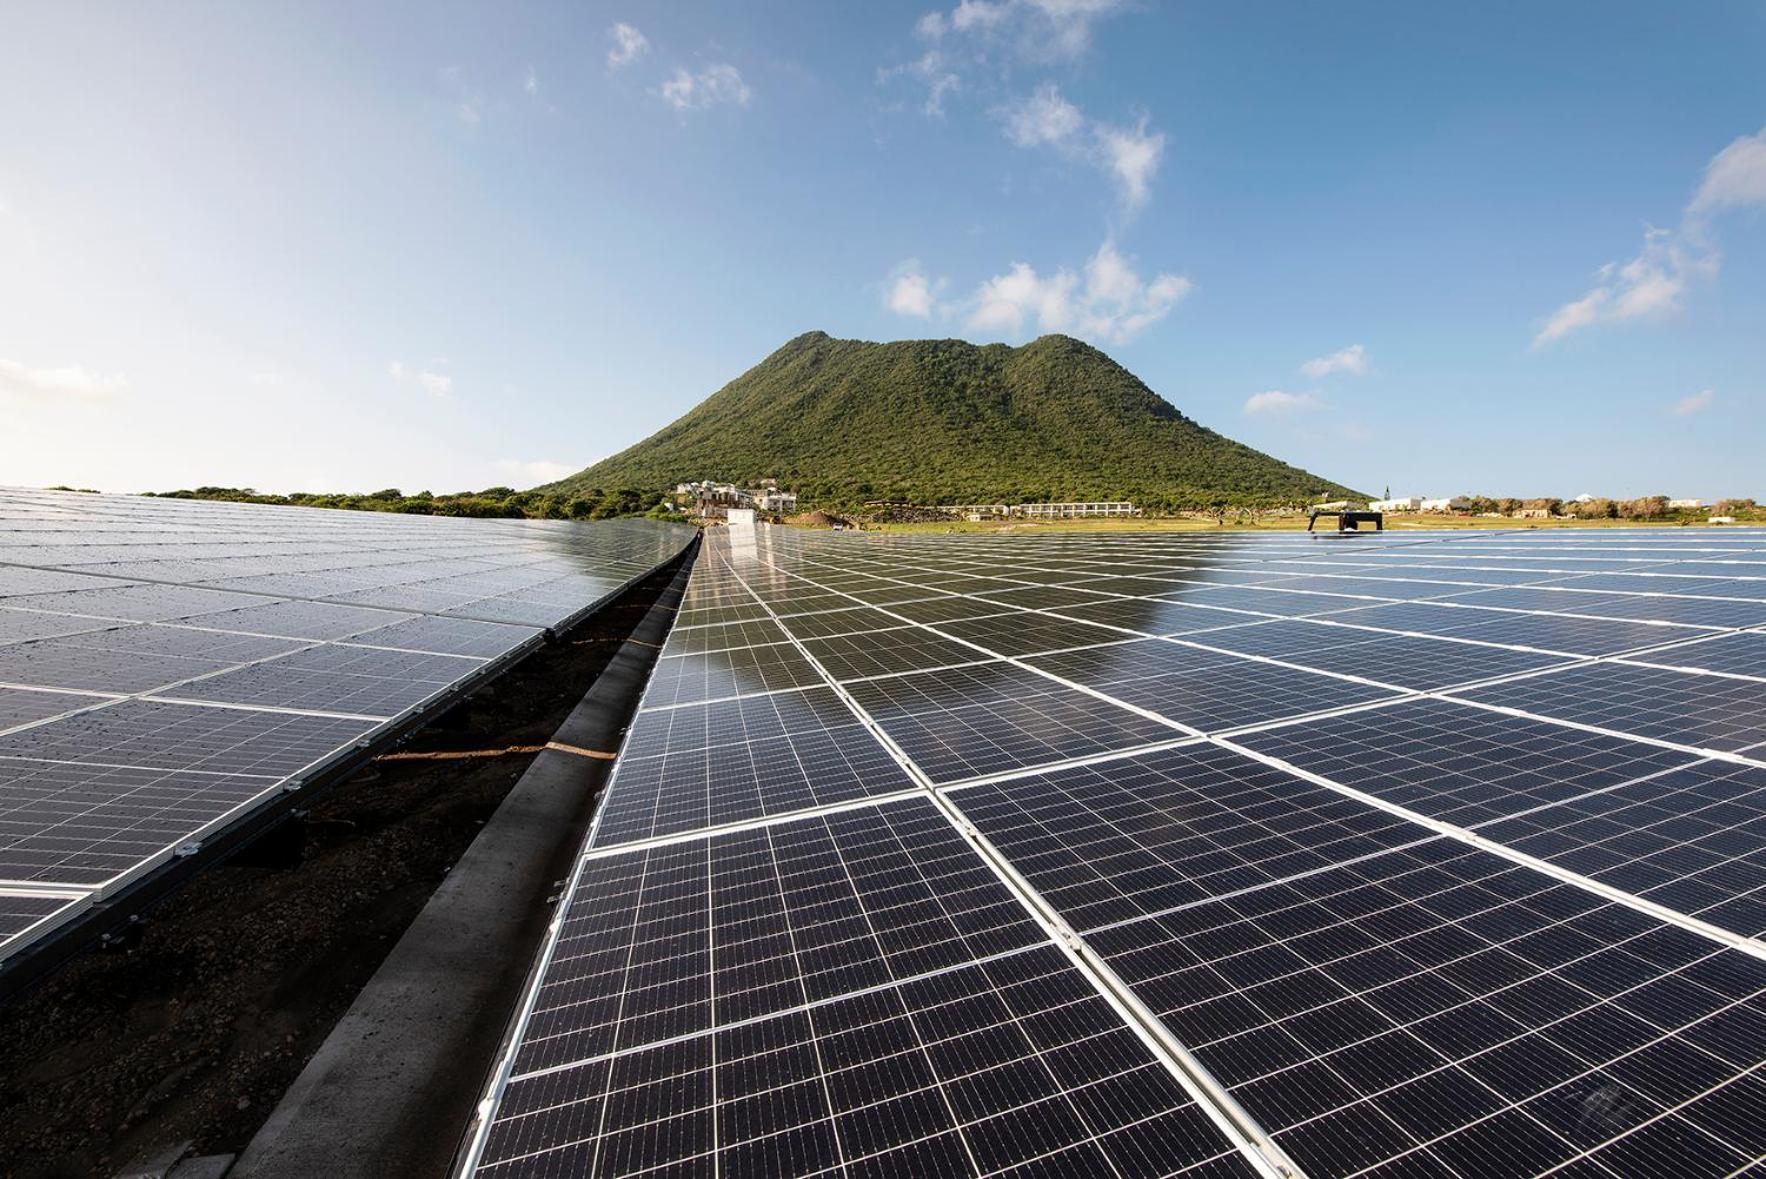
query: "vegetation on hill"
845, 422
498, 502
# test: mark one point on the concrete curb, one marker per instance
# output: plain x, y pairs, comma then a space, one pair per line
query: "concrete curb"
394, 1085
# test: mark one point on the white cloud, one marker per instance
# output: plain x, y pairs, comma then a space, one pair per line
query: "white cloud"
431, 382
1278, 402
1351, 360
715, 85
1132, 156
1656, 281
991, 35
1044, 117
628, 46
932, 71
530, 82
1035, 30
910, 292
1651, 284
1735, 176
470, 110
1128, 155
73, 379
1695, 403
1110, 302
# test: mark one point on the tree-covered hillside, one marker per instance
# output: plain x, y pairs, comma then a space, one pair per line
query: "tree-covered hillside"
945, 421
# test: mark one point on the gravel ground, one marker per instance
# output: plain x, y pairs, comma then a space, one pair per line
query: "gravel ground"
194, 1034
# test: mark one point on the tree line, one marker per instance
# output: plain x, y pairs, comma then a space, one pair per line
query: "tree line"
492, 503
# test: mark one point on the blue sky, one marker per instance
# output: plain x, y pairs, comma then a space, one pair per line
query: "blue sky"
1503, 248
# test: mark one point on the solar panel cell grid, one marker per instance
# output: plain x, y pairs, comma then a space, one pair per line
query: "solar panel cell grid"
1379, 993
1454, 1010
96, 788
995, 1066
994, 717
1699, 711
685, 937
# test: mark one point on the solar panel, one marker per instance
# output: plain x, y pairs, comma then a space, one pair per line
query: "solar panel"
168, 667
1411, 888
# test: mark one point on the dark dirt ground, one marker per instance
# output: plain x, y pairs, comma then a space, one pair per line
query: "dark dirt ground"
194, 1034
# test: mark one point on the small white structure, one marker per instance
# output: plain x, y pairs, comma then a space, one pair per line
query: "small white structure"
1068, 511
1721, 520
1408, 503
776, 501
1686, 503
1447, 503
1584, 498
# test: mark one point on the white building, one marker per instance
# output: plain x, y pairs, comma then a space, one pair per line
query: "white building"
1447, 503
1408, 503
1686, 503
1073, 510
774, 500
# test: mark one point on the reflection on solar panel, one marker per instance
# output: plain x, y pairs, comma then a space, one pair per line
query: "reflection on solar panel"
1157, 853
168, 667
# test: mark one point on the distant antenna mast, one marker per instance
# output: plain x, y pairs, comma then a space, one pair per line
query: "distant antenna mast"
1388, 491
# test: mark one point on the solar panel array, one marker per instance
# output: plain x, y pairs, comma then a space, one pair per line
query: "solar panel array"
168, 666
1166, 853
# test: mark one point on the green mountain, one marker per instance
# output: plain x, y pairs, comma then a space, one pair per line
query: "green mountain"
945, 421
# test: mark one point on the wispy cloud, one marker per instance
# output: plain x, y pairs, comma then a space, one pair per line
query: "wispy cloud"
628, 46
719, 84
431, 382
1736, 176
1351, 360
1656, 281
1277, 403
1032, 30
68, 380
991, 36
1694, 403
1129, 155
1109, 302
933, 71
909, 292
1043, 118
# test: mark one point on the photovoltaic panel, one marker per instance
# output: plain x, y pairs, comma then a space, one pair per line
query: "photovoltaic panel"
1029, 635
1142, 834
739, 671
993, 717
735, 760
1011, 1066
20, 706
888, 652
89, 826
1702, 711
157, 734
1734, 654
361, 681
27, 914
1693, 839
1207, 691
1457, 941
1453, 1013
682, 938
1460, 764
107, 600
